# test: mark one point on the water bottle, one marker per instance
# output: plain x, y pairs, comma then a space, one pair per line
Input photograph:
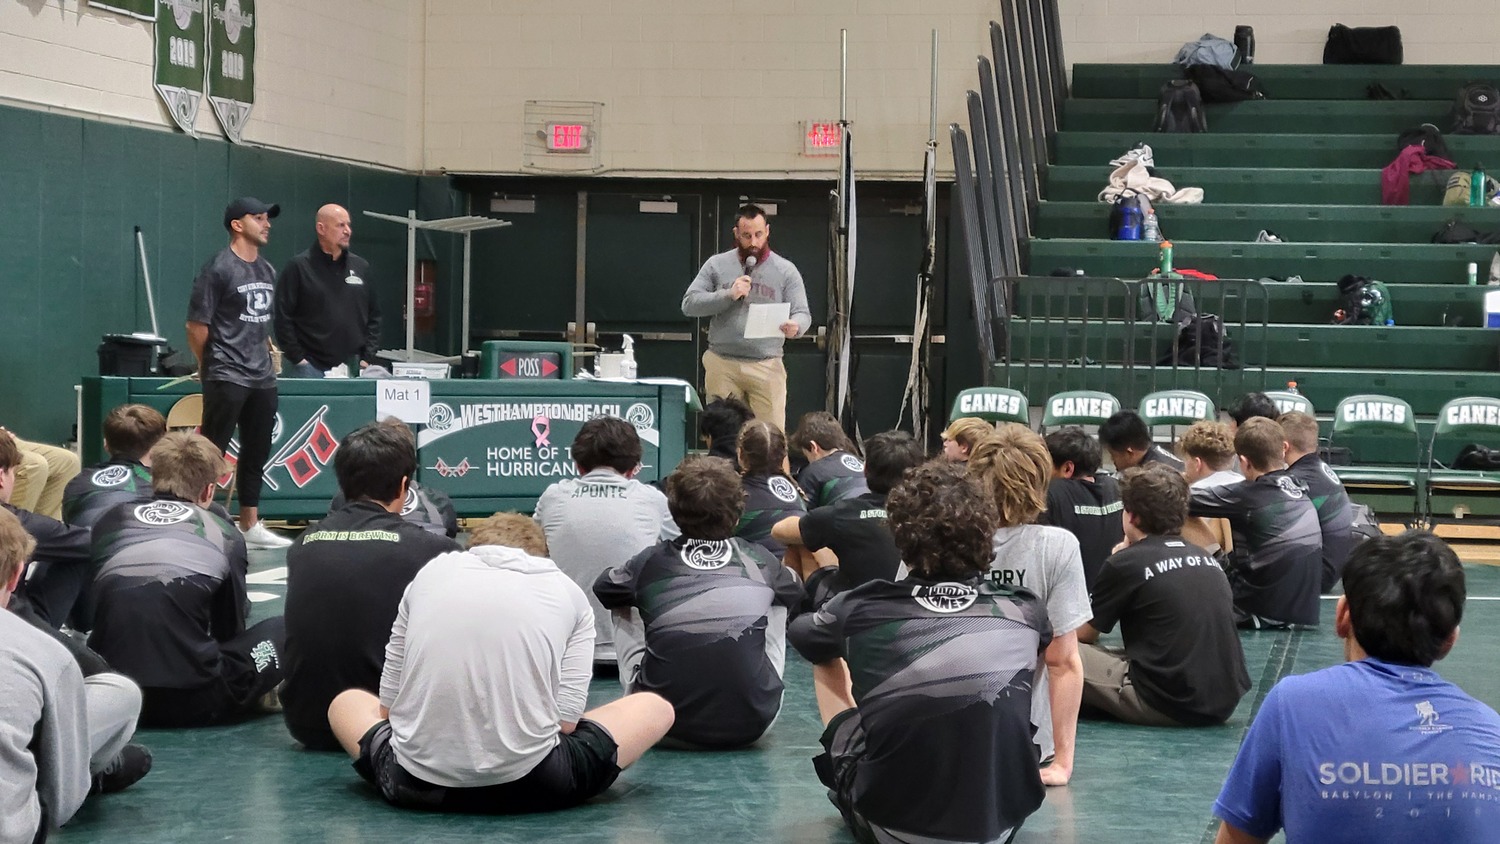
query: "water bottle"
1244, 42
1165, 260
1476, 186
1291, 387
1473, 273
1130, 223
1151, 230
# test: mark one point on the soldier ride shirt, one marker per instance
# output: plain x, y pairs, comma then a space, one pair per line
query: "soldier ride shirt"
942, 676
715, 626
233, 298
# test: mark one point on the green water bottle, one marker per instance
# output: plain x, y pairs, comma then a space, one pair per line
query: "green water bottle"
1164, 261
1476, 186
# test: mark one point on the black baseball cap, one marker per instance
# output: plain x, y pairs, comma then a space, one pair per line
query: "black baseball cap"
248, 205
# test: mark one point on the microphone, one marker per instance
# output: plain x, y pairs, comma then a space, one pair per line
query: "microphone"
750, 263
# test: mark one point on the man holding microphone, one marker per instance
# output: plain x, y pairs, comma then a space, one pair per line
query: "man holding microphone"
727, 285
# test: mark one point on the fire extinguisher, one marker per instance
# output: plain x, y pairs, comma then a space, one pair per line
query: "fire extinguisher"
424, 300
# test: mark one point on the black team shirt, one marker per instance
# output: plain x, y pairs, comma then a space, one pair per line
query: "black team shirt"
1175, 610
1335, 514
833, 477
942, 674
345, 579
1090, 510
768, 500
426, 507
857, 531
97, 489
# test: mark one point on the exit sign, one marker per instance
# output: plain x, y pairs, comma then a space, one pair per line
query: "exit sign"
820, 138
567, 137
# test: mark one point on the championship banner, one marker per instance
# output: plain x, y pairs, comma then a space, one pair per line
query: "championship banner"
143, 9
231, 64
181, 47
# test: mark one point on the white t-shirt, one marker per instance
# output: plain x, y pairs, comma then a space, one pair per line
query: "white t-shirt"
491, 651
1046, 561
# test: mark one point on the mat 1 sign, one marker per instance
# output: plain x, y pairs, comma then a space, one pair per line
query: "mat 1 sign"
231, 65
181, 50
524, 442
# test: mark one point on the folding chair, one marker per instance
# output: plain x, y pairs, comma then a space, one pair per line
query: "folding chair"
1388, 422
993, 404
1463, 493
1176, 407
1286, 402
1079, 407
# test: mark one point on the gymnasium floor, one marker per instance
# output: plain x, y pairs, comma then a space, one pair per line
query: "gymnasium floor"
1132, 785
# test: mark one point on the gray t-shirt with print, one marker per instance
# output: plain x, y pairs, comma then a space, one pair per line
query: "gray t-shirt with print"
233, 298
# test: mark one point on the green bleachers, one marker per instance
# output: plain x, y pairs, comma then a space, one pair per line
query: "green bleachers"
1291, 116
1246, 150
1293, 82
1393, 263
1234, 184
1293, 223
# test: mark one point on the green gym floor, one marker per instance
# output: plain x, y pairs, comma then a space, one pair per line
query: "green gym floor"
1131, 785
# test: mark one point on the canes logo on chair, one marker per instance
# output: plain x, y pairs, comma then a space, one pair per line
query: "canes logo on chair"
707, 555
946, 598
162, 513
111, 476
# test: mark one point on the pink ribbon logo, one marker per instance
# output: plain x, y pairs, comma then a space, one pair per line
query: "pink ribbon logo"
540, 426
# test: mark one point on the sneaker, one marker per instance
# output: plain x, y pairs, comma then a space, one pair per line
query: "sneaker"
1268, 237
260, 537
270, 701
123, 771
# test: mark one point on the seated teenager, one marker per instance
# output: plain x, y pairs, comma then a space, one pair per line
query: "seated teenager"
57, 583
1014, 467
426, 507
770, 495
130, 431
481, 704
1335, 512
1128, 441
1380, 749
833, 472
1275, 568
603, 517
961, 435
1207, 450
170, 593
714, 608
1082, 501
62, 736
924, 686
1251, 406
1182, 664
719, 425
852, 534
345, 578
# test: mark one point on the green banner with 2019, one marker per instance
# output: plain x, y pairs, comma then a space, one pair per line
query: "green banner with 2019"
231, 66
180, 53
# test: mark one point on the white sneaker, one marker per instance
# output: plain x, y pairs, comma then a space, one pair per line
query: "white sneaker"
261, 538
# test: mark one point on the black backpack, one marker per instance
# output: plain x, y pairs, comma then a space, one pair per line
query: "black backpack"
1477, 110
1202, 341
1363, 45
1363, 301
1426, 136
1179, 108
1217, 85
1477, 457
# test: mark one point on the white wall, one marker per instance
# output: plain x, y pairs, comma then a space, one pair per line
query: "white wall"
333, 77
1286, 31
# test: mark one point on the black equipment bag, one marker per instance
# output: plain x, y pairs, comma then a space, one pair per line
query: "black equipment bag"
1363, 45
1179, 108
1477, 110
1217, 85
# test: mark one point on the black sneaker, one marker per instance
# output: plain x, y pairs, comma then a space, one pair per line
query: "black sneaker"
132, 763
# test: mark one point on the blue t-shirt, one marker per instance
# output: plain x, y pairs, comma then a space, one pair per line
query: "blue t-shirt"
1368, 752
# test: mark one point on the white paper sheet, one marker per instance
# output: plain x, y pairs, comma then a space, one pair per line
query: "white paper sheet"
765, 320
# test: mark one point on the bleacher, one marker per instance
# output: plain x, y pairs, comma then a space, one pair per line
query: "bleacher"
1305, 164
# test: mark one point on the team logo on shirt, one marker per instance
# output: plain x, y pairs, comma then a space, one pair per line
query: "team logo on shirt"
946, 597
852, 463
111, 476
1329, 473
161, 513
641, 416
1290, 487
409, 504
707, 556
782, 489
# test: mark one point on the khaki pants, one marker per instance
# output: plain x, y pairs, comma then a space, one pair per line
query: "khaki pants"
44, 471
761, 383
1107, 686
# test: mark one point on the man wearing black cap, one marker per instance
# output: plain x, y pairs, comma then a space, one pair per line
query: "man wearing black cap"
228, 329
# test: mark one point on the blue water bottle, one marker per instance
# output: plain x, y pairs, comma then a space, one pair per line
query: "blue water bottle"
1131, 222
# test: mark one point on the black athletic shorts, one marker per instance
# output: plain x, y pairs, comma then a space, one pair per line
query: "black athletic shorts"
582, 765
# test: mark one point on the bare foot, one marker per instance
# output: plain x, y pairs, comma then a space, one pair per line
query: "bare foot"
1052, 775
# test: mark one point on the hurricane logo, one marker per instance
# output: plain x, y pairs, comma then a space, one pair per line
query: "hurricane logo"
111, 476
439, 417
852, 463
1329, 473
946, 597
183, 11
1290, 487
276, 428
161, 513
409, 504
782, 489
707, 556
641, 416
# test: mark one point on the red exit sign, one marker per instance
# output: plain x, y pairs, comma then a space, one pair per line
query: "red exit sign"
567, 137
821, 138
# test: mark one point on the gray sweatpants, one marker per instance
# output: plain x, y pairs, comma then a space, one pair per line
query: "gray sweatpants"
113, 704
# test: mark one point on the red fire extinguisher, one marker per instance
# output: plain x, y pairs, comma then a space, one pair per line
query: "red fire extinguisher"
424, 301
